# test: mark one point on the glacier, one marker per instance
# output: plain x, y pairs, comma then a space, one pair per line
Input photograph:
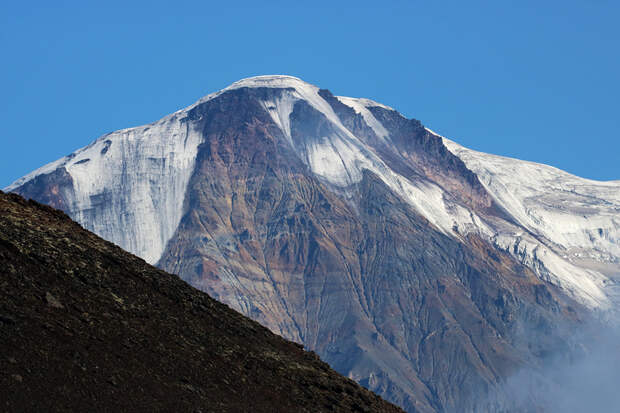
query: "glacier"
129, 185
569, 227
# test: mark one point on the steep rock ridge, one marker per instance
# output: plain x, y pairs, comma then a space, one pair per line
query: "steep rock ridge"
85, 326
336, 154
411, 150
339, 223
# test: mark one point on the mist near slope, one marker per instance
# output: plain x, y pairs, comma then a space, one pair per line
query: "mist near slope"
581, 375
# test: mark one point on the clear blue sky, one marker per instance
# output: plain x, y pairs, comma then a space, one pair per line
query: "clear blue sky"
536, 80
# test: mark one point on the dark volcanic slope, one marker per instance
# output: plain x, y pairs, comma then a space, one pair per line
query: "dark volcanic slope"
87, 326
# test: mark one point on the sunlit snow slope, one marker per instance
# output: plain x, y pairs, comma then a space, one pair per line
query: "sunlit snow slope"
568, 227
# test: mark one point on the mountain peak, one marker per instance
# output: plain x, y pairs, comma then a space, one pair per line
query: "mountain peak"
271, 81
303, 89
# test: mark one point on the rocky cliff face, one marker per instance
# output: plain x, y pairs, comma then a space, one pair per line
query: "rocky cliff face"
340, 224
86, 326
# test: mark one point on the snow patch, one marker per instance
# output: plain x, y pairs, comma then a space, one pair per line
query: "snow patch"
360, 107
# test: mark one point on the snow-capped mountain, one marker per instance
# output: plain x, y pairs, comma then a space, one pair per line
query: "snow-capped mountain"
408, 262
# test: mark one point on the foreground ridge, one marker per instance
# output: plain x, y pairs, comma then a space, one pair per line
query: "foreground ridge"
85, 325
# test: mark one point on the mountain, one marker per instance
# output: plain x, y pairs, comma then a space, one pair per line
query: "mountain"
425, 271
86, 326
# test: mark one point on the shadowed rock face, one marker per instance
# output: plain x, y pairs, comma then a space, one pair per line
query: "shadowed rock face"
298, 214
54, 189
86, 326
